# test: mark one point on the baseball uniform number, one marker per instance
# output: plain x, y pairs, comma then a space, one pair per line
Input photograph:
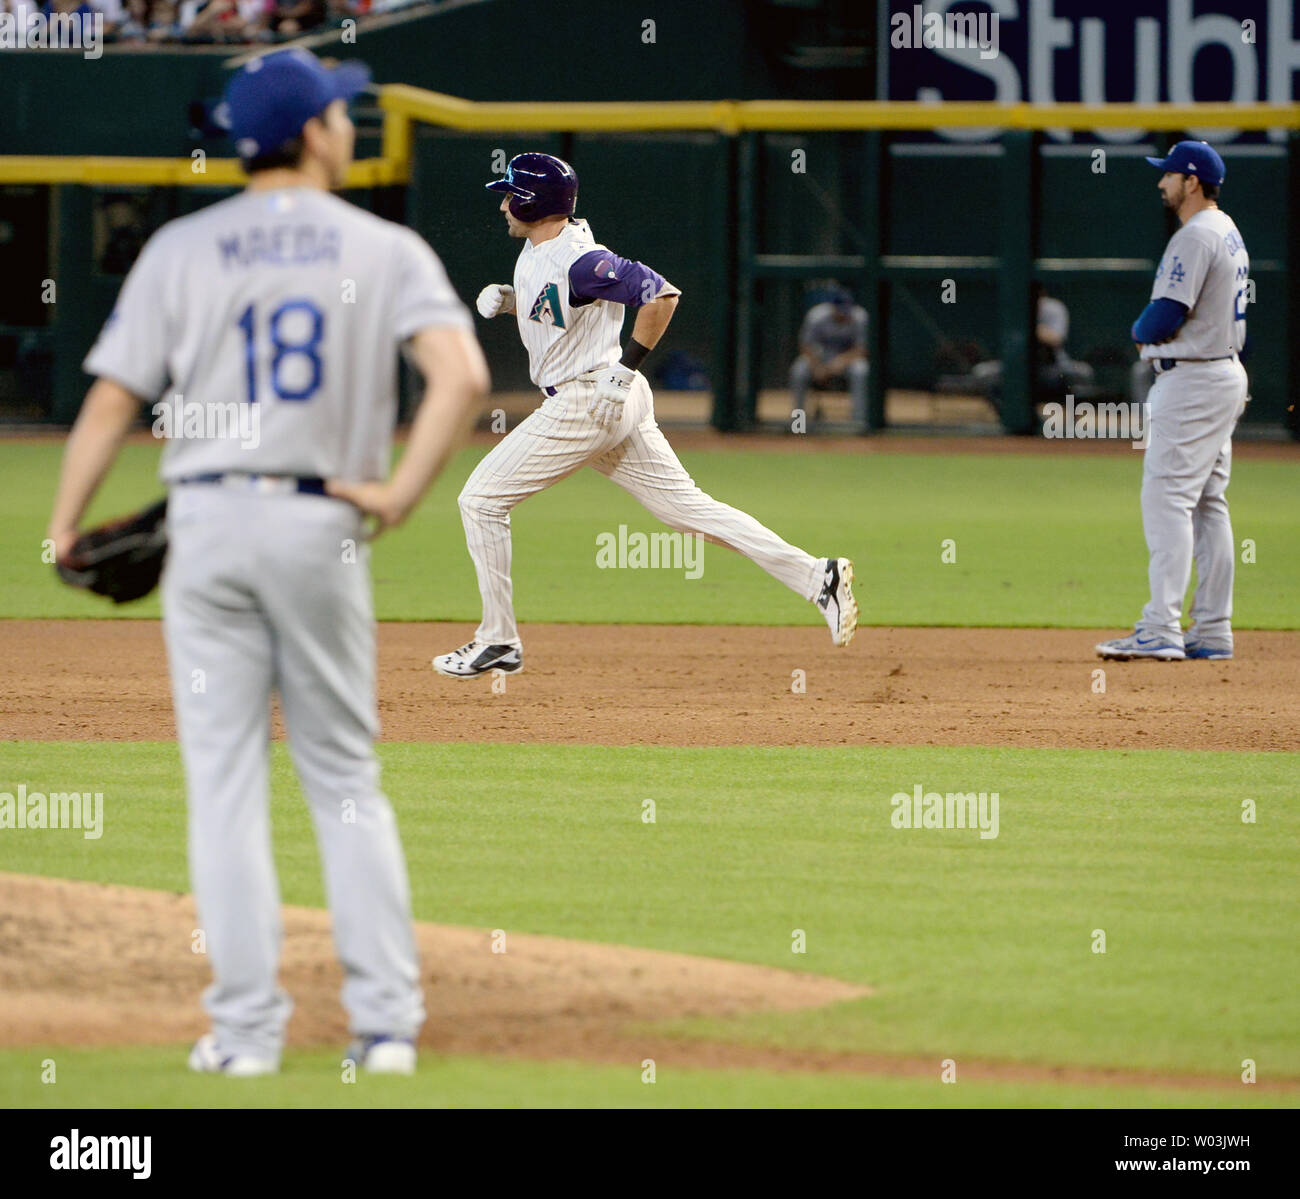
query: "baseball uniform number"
308, 348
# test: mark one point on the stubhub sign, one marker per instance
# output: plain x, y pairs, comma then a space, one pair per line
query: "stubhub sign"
1093, 51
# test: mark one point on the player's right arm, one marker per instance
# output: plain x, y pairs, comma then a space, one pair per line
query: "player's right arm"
455, 382
129, 360
106, 416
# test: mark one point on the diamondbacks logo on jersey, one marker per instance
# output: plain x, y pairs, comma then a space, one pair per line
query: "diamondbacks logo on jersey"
548, 302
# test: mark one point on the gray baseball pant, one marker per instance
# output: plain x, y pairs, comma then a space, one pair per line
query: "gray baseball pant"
560, 438
1193, 410
258, 597
856, 374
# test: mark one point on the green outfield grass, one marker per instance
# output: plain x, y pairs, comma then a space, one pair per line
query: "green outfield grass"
1040, 541
976, 948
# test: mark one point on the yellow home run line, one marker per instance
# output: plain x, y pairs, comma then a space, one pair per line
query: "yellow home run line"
732, 116
402, 105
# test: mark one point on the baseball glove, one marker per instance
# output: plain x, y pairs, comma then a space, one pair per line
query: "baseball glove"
123, 559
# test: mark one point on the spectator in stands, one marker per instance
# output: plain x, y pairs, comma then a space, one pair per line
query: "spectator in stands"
1057, 372
163, 23
291, 17
832, 351
134, 26
114, 12
216, 21
19, 10
340, 10
79, 7
223, 20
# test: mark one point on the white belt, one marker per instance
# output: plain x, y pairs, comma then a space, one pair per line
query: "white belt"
258, 484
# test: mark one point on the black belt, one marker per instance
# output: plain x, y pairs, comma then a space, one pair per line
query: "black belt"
1167, 364
303, 484
550, 391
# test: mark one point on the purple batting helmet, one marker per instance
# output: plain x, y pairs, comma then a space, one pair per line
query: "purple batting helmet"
539, 185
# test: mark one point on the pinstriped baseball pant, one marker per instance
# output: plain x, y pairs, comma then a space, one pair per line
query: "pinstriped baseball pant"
558, 439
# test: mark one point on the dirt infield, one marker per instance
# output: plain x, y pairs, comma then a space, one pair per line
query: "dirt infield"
550, 998
683, 685
136, 945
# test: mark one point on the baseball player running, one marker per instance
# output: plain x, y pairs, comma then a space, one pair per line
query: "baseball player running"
296, 303
1191, 332
569, 296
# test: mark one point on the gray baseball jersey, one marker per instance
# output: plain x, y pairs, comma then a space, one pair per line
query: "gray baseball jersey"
1054, 315
1192, 411
292, 300
825, 329
290, 303
1206, 267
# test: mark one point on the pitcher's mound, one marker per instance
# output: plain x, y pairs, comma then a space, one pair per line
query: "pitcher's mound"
88, 964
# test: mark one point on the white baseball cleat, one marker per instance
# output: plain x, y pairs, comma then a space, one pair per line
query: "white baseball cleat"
474, 658
207, 1058
836, 600
383, 1055
1141, 645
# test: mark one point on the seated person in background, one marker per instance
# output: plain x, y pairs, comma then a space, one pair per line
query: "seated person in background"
67, 8
113, 12
21, 11
163, 23
134, 26
832, 350
296, 16
222, 20
1056, 371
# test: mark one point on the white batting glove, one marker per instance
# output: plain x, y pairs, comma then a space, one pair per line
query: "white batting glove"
495, 299
613, 385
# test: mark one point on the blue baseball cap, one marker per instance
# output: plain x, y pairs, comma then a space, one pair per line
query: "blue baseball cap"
1193, 158
269, 101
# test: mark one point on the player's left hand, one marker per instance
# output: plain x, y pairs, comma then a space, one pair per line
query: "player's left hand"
613, 385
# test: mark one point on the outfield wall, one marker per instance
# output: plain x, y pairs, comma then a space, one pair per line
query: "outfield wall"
933, 234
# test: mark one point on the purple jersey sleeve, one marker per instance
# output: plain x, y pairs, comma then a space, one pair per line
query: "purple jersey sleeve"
602, 275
